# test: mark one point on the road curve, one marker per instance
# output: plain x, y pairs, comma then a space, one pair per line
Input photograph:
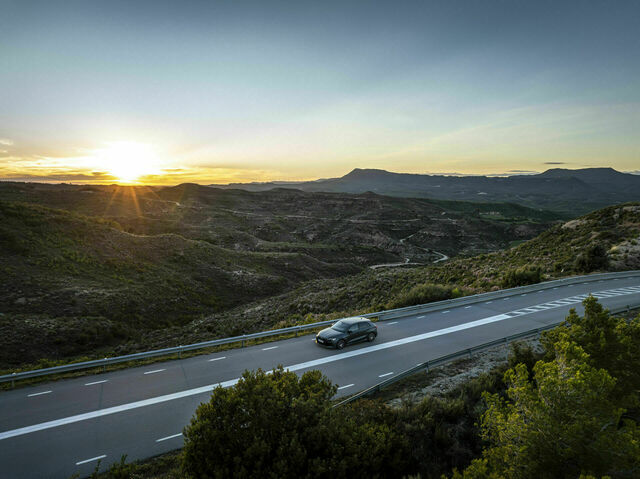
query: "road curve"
62, 428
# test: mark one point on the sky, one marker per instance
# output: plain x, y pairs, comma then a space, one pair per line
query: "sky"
165, 92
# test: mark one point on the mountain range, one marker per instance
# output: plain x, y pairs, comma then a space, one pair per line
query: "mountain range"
566, 191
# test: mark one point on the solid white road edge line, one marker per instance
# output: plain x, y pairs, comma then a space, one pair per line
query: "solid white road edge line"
90, 460
155, 371
217, 359
168, 437
205, 389
272, 347
385, 374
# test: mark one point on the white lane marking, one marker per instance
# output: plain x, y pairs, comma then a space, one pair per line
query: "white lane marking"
345, 386
385, 374
421, 317
220, 358
272, 347
445, 312
523, 294
155, 371
393, 322
96, 382
505, 299
38, 394
168, 437
90, 460
488, 302
225, 384
555, 288
467, 307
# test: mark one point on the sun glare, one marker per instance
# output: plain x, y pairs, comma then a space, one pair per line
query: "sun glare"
129, 161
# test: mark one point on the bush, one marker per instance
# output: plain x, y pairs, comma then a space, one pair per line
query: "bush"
423, 293
279, 425
593, 258
521, 277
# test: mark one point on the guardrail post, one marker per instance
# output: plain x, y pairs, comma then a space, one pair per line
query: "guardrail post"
470, 353
243, 338
13, 381
297, 331
180, 352
104, 366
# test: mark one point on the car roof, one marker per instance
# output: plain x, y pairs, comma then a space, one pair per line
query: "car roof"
353, 319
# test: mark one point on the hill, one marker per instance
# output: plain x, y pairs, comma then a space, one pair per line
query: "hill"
558, 252
567, 191
75, 285
85, 269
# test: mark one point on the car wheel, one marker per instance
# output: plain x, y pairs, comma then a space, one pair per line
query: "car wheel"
340, 344
371, 337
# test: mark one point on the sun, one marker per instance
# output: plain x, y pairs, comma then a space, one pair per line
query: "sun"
128, 161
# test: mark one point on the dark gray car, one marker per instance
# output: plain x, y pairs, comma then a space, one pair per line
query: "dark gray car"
347, 331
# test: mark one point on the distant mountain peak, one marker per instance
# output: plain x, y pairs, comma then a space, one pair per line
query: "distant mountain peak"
364, 173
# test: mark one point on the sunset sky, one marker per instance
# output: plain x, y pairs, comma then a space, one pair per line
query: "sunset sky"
215, 92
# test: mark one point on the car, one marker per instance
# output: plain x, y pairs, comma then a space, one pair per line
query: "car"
347, 331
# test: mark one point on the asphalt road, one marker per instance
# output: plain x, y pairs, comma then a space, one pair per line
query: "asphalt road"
57, 429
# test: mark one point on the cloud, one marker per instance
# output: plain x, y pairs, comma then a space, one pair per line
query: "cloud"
58, 177
554, 163
6, 141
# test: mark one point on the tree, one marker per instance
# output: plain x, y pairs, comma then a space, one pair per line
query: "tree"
563, 423
611, 343
278, 425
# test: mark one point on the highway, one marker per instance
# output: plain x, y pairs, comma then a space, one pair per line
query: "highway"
56, 429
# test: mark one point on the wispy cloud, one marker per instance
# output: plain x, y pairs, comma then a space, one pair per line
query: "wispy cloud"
6, 141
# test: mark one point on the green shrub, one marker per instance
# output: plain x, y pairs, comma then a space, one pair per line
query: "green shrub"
423, 293
521, 277
593, 258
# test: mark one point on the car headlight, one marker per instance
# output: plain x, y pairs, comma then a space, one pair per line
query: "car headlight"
333, 340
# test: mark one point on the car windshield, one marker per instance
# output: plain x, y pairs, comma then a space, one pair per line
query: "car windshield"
340, 326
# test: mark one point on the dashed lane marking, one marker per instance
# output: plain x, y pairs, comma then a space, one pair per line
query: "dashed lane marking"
155, 371
97, 458
38, 394
272, 347
385, 374
345, 386
169, 437
220, 358
97, 382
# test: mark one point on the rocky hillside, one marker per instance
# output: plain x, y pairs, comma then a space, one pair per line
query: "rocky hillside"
85, 268
77, 285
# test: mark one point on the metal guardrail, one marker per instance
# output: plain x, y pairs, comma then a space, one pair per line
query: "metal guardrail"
442, 360
381, 315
